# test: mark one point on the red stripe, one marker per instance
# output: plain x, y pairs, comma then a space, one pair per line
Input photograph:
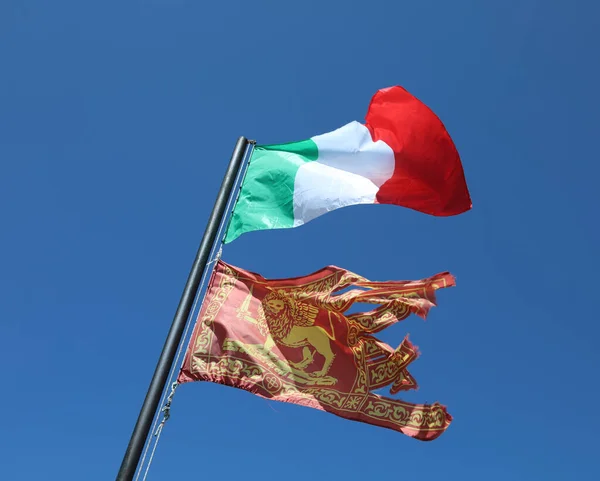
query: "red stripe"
428, 176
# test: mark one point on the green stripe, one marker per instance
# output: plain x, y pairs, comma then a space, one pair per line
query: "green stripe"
266, 199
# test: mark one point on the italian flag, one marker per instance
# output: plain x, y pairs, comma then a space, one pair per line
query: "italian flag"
401, 155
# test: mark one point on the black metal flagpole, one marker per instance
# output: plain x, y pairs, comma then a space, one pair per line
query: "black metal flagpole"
167, 356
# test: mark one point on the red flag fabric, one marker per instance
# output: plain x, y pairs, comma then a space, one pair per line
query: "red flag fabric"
428, 174
290, 340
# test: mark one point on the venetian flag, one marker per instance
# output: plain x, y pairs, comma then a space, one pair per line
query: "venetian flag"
401, 155
291, 340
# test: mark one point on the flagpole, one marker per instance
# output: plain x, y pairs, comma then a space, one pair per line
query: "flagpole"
161, 373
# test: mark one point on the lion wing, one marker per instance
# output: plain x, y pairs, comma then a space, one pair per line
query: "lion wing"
305, 314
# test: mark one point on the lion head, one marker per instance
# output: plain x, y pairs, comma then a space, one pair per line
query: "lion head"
278, 309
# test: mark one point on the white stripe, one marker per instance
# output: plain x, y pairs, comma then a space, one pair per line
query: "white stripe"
349, 170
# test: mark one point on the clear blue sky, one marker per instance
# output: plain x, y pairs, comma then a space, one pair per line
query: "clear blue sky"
116, 123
